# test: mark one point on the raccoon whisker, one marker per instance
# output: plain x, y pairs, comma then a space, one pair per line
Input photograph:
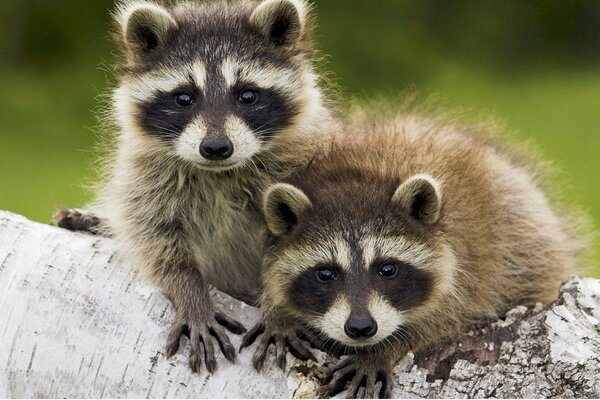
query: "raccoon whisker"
265, 164
388, 342
261, 132
270, 151
277, 163
402, 336
253, 163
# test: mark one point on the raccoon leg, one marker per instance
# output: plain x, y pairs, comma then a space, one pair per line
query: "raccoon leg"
360, 375
75, 220
195, 318
278, 330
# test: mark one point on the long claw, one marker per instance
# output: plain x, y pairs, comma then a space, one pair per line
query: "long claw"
196, 351
370, 387
281, 353
173, 339
385, 392
224, 343
230, 324
329, 374
356, 384
338, 385
299, 350
251, 336
209, 352
260, 354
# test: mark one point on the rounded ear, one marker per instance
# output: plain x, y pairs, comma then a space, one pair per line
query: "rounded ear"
282, 22
420, 197
144, 26
283, 206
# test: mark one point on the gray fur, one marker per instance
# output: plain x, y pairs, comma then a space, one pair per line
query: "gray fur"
184, 221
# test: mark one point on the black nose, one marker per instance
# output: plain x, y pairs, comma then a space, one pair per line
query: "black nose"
360, 328
216, 148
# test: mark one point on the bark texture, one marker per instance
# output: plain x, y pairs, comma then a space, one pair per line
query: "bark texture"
76, 321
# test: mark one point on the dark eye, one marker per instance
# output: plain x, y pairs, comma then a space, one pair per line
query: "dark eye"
388, 269
184, 99
325, 274
248, 97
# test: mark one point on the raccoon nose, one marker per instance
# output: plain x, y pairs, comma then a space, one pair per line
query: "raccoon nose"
360, 328
216, 148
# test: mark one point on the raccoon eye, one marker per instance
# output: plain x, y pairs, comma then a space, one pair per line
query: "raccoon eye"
184, 99
248, 97
388, 269
325, 274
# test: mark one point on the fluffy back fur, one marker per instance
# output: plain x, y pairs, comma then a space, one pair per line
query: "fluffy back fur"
468, 229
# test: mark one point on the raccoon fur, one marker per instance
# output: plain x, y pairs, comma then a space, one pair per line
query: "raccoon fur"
215, 101
406, 233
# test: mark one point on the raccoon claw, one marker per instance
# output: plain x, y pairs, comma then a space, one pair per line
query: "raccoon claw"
232, 325
74, 220
284, 339
201, 335
358, 377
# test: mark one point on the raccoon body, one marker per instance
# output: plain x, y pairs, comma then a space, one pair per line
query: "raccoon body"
407, 232
215, 101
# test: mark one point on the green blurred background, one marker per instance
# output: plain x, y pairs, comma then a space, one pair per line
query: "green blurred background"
534, 65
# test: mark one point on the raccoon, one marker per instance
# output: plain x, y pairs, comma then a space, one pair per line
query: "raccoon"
215, 101
407, 232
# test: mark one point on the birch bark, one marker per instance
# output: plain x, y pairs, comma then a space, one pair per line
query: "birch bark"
76, 321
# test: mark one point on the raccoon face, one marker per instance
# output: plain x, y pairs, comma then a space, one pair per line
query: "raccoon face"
215, 84
358, 286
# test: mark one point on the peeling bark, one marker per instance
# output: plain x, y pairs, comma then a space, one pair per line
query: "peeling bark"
75, 321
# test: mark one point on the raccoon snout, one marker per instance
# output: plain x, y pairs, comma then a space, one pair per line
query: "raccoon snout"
360, 328
216, 148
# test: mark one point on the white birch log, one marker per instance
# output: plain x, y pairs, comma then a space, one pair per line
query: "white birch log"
76, 321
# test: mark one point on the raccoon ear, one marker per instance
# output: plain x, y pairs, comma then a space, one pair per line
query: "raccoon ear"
282, 22
144, 26
421, 197
283, 206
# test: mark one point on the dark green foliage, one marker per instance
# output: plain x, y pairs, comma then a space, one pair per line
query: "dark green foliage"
532, 63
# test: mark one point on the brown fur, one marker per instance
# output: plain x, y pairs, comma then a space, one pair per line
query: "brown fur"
498, 242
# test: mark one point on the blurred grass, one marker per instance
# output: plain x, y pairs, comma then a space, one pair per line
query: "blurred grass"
47, 125
46, 144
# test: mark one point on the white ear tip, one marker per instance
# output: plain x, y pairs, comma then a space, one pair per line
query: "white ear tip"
436, 184
126, 10
267, 11
301, 9
283, 194
298, 4
420, 185
281, 188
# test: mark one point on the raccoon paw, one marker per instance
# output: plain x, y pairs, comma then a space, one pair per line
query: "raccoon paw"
201, 334
359, 377
283, 337
74, 220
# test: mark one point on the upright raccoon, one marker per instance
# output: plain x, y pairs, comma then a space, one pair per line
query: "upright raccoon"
406, 233
214, 101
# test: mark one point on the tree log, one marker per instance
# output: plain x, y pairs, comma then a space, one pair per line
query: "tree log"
76, 321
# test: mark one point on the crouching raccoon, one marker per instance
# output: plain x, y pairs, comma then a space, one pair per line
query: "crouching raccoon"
406, 233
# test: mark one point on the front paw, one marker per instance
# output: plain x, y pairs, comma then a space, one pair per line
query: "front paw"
360, 375
284, 338
201, 331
